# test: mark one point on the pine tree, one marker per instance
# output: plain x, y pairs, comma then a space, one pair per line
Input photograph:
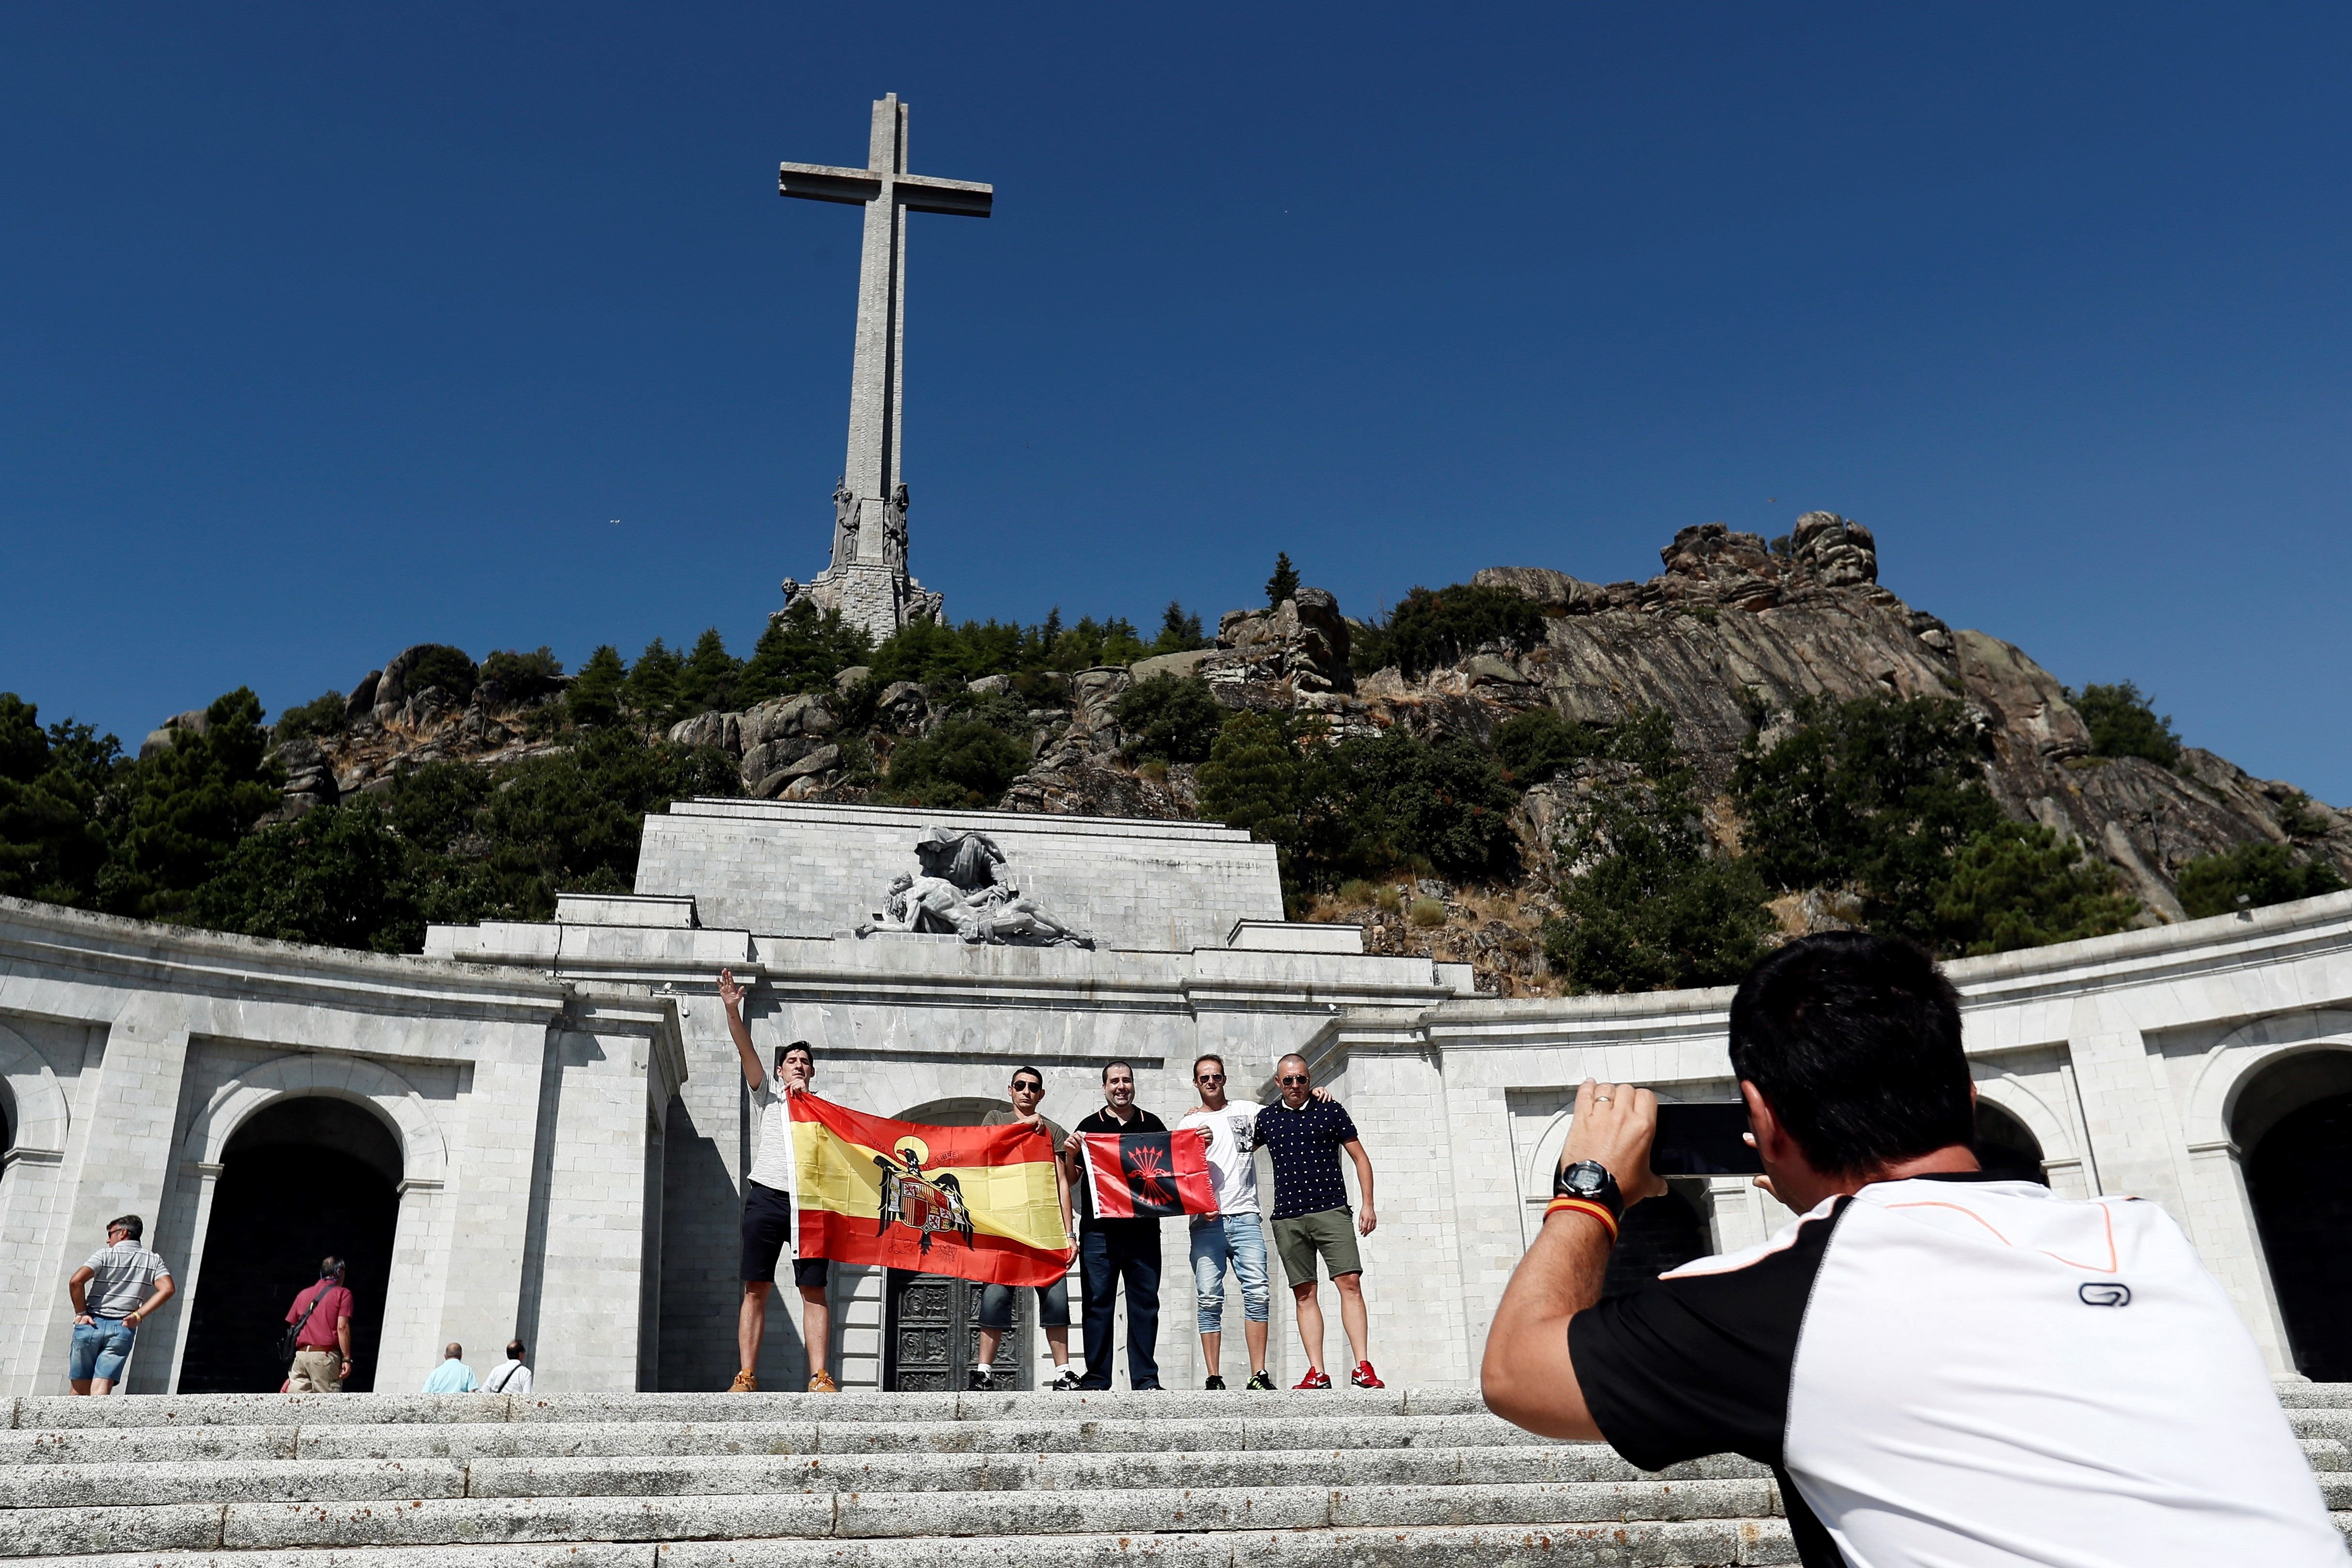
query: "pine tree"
595, 694
800, 651
708, 679
652, 687
1179, 633
1283, 583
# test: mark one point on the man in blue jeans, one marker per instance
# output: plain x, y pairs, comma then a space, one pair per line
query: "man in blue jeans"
1028, 1090
120, 1287
1234, 1234
1110, 1250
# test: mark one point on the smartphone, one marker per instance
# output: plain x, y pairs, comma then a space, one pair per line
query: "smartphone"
1704, 1138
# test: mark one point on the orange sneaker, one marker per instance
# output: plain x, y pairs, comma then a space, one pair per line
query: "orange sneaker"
746, 1382
821, 1381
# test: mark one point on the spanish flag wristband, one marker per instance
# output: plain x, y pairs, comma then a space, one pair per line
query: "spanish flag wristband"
1584, 1206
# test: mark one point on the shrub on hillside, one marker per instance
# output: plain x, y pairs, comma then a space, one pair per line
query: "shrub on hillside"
1646, 902
169, 818
2018, 884
2259, 873
2122, 724
1430, 629
800, 650
323, 715
1402, 798
1170, 719
1537, 743
438, 664
705, 683
511, 679
51, 785
963, 764
1877, 792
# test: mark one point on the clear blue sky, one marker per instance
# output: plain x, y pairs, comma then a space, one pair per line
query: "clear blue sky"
326, 330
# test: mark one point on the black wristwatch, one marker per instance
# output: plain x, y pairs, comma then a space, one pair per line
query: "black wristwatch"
1590, 1180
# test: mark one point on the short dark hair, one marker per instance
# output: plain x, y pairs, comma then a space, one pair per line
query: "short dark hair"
514, 1349
1855, 1042
131, 1225
329, 1264
1207, 1057
797, 1045
1292, 1056
1032, 1072
1117, 1062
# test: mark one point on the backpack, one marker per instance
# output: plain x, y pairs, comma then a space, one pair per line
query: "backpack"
290, 1341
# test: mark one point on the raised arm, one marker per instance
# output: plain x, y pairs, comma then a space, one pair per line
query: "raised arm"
730, 1001
1528, 1377
1367, 1218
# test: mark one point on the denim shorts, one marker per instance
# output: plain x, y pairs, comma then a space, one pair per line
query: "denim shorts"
99, 1350
1218, 1240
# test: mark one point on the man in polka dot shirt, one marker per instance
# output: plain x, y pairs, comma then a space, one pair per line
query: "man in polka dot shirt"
1305, 1131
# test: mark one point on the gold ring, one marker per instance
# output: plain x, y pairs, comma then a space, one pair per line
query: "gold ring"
1600, 1100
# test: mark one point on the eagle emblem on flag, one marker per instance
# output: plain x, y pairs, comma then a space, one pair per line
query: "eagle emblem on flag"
925, 1205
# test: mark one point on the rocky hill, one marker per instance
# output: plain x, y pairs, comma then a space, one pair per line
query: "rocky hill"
1729, 637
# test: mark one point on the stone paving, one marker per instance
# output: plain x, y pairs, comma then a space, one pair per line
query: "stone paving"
1405, 1476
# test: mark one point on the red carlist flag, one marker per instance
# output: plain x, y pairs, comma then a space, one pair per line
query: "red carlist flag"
1150, 1175
979, 1203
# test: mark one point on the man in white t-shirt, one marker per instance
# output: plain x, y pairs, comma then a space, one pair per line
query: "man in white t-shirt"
511, 1376
1944, 1367
768, 1206
1232, 1235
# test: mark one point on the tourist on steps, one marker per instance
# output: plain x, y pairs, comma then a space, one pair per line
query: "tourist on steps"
1110, 1250
116, 1289
1941, 1366
452, 1376
1305, 1131
1028, 1090
1234, 1233
768, 1206
510, 1375
322, 1336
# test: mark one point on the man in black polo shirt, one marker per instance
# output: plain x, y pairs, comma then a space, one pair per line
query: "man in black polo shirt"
1110, 1250
1942, 1366
1303, 1131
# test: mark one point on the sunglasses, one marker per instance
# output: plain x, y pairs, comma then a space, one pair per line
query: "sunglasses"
1023, 1086
1208, 1078
1297, 1077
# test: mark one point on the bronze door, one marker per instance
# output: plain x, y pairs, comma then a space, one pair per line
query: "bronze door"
931, 1334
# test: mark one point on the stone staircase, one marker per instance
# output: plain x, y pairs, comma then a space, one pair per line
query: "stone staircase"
687, 1480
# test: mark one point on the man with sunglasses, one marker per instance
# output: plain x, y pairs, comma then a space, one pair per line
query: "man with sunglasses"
767, 1227
1305, 1132
1028, 1090
1234, 1234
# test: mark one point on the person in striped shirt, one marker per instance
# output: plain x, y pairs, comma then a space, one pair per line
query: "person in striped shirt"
120, 1286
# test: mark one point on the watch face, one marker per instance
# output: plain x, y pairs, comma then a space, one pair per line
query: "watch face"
1584, 1179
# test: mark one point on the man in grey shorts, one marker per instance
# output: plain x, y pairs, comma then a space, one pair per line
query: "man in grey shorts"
1305, 1133
1053, 1300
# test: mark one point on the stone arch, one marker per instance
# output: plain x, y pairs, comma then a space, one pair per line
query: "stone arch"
424, 1151
38, 1113
953, 1110
2031, 1111
2234, 1063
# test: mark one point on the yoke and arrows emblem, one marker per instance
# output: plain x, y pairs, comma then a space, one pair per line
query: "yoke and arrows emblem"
1146, 1163
925, 1205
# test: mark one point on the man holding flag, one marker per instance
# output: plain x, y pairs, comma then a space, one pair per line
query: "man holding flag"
768, 1206
1118, 1236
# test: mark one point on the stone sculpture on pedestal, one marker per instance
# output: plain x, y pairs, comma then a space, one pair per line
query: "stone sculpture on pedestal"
966, 889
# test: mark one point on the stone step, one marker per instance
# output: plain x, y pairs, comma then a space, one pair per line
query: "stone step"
61, 1413
308, 1480
1710, 1543
501, 1439
438, 1522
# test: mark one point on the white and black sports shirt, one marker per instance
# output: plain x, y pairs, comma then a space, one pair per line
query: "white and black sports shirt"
1956, 1371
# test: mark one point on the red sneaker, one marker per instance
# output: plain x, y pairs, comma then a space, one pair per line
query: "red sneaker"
1364, 1376
1316, 1378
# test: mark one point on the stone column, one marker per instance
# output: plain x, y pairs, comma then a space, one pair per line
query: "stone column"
31, 1246
2231, 1246
409, 1347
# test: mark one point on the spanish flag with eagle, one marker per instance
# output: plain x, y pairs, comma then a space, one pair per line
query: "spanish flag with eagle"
979, 1203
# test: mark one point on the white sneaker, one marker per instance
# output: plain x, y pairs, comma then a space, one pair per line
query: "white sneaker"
1065, 1380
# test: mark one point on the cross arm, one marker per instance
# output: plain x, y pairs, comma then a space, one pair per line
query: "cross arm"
960, 199
817, 182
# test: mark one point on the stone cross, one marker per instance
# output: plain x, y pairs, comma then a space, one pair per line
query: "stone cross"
888, 193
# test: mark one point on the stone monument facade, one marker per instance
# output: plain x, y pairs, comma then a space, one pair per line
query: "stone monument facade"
868, 580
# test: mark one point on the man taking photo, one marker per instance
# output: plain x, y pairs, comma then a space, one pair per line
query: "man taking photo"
1941, 1366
